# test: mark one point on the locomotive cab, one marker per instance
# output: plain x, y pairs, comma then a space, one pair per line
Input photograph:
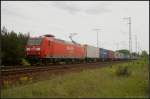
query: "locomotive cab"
37, 48
33, 47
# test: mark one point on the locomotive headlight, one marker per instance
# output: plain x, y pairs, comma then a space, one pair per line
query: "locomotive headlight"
38, 49
28, 49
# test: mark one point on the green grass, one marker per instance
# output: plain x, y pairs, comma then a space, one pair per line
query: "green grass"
103, 83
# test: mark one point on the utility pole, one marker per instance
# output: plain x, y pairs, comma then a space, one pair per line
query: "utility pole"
138, 48
130, 38
117, 45
97, 30
135, 43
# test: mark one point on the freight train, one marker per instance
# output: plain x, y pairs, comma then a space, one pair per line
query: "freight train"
48, 49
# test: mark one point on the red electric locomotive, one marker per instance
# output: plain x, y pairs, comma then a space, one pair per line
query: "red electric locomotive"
49, 49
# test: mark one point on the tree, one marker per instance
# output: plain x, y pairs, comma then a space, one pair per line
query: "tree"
134, 54
12, 47
144, 54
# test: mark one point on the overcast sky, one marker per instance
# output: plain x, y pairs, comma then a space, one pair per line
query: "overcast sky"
61, 18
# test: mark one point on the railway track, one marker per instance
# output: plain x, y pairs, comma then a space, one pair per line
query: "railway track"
14, 74
13, 70
50, 65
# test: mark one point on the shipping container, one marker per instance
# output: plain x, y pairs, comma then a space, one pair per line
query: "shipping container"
121, 56
126, 56
91, 51
116, 55
103, 53
111, 55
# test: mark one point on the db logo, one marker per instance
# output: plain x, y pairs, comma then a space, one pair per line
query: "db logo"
33, 48
69, 48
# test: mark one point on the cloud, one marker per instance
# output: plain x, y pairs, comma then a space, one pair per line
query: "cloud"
14, 13
68, 6
97, 10
88, 7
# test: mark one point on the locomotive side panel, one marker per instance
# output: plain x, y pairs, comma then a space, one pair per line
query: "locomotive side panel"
62, 49
59, 50
79, 51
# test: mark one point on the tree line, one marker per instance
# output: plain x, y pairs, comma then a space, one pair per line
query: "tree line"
12, 47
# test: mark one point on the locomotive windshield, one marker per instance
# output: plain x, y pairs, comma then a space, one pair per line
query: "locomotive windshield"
34, 41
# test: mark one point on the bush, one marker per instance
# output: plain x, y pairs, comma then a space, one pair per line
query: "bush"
123, 71
25, 62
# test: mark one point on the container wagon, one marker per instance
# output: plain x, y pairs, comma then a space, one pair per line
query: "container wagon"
121, 56
116, 56
103, 54
126, 57
111, 55
91, 53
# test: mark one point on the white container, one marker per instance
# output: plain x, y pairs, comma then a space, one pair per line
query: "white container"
121, 55
117, 55
91, 51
